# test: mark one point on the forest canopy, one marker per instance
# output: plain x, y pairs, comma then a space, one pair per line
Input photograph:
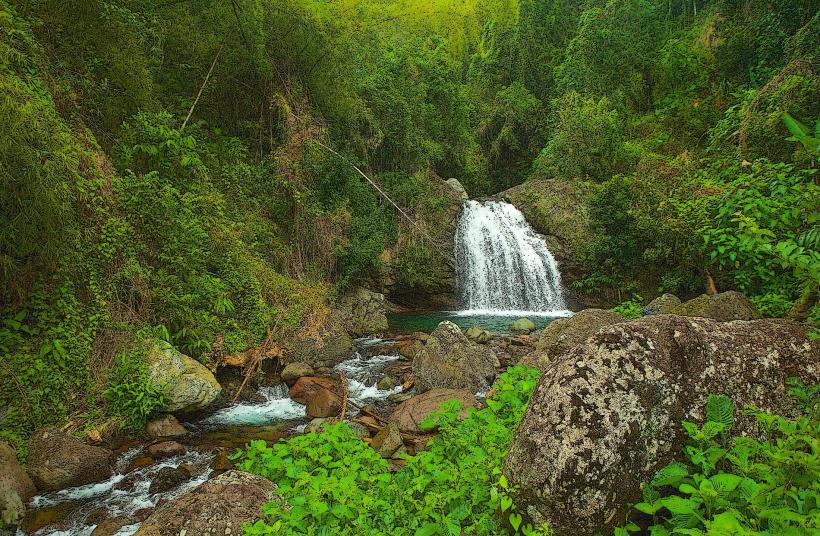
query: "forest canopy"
164, 166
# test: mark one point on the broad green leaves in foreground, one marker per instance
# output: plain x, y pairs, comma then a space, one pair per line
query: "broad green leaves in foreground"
333, 483
738, 485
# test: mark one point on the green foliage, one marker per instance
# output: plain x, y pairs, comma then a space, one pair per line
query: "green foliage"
332, 481
588, 140
802, 135
735, 484
131, 393
761, 232
632, 308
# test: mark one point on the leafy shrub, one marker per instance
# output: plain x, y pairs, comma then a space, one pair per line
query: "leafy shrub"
131, 393
762, 232
632, 308
333, 483
734, 484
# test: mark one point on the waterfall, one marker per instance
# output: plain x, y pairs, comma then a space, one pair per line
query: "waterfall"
501, 264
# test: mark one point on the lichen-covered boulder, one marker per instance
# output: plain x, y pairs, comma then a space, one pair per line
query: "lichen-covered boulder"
562, 334
57, 460
724, 307
450, 361
410, 413
457, 188
219, 506
189, 386
362, 312
662, 305
606, 416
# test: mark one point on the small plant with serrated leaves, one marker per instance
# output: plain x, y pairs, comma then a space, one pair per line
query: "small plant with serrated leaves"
738, 485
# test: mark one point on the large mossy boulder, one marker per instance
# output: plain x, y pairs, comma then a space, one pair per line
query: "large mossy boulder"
189, 386
724, 307
606, 415
57, 460
220, 506
562, 334
322, 342
662, 305
362, 312
449, 360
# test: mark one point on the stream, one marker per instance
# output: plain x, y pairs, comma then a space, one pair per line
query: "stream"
127, 494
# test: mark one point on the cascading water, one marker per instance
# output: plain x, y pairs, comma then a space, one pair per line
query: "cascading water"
502, 264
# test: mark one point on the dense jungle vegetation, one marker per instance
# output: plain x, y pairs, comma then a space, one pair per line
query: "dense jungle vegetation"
165, 166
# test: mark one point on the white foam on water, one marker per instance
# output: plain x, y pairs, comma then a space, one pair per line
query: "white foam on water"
562, 313
132, 496
502, 264
362, 377
277, 407
362, 394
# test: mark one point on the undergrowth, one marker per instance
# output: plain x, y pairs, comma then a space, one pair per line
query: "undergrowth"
732, 484
333, 483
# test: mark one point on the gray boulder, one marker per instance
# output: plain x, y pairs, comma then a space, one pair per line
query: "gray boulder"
564, 333
362, 312
458, 188
219, 506
448, 360
57, 460
293, 371
662, 305
189, 386
607, 415
723, 307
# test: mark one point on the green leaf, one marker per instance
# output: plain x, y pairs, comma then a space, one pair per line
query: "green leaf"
515, 521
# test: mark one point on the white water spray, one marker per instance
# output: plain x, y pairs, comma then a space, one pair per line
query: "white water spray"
502, 264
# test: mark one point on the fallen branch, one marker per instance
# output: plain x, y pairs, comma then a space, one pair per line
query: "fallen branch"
199, 94
345, 393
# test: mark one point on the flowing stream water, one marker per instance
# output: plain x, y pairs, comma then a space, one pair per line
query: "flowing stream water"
77, 511
503, 265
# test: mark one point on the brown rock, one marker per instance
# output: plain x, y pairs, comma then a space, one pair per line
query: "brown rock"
165, 426
408, 415
165, 449
168, 478
607, 414
219, 506
109, 527
324, 404
387, 441
12, 475
307, 387
57, 460
449, 360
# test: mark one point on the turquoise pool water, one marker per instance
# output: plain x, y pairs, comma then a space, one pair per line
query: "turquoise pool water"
496, 322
